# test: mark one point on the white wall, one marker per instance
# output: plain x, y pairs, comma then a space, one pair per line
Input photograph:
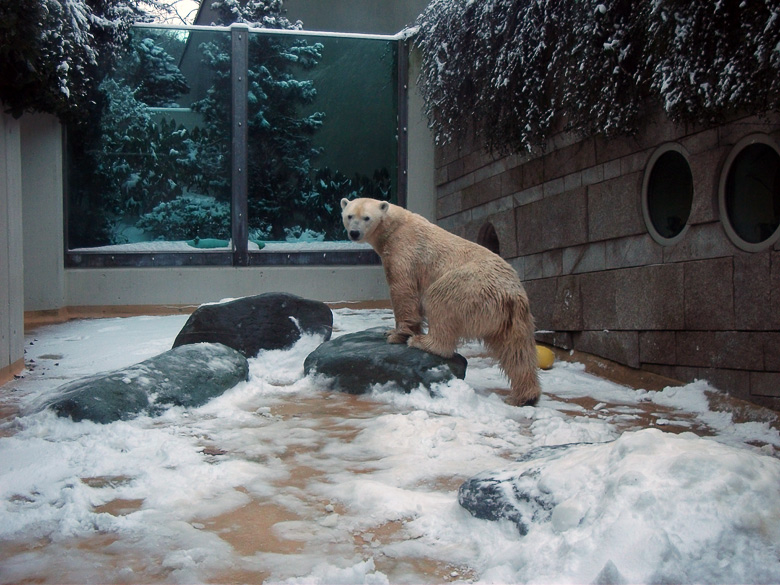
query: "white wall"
42, 212
421, 197
196, 285
11, 254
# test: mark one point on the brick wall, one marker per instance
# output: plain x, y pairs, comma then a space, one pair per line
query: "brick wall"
571, 223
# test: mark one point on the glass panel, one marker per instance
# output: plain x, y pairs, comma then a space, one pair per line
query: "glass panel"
670, 194
151, 164
149, 170
322, 126
753, 193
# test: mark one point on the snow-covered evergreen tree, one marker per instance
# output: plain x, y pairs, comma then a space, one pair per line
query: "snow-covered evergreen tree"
519, 69
142, 162
322, 202
188, 217
154, 75
256, 13
133, 159
280, 137
53, 53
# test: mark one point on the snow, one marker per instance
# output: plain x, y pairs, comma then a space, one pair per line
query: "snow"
280, 480
160, 246
599, 64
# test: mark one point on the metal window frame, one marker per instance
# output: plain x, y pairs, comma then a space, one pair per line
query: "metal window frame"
240, 255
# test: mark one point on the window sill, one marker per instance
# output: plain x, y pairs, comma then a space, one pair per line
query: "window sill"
296, 256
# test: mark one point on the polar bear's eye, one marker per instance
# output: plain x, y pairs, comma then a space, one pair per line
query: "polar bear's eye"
366, 218
349, 217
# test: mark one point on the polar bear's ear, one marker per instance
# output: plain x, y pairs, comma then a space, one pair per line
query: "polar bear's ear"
344, 202
384, 206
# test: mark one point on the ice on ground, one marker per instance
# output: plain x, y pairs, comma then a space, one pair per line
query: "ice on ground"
280, 480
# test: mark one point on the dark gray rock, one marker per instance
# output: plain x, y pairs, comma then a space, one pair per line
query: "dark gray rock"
186, 376
513, 495
517, 499
357, 361
261, 322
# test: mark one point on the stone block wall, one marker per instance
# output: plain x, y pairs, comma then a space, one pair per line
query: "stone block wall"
571, 223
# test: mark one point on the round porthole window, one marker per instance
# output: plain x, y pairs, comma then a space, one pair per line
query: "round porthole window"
749, 195
488, 238
667, 194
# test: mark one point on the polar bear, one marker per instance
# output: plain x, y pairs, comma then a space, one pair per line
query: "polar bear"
463, 290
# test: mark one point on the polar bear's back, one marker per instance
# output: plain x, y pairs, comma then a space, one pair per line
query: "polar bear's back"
434, 250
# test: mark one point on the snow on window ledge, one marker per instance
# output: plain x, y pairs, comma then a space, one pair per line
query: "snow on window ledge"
269, 247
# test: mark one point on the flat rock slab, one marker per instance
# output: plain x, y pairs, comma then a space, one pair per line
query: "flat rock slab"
185, 376
261, 322
357, 361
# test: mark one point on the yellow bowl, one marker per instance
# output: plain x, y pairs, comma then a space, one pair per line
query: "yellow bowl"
545, 357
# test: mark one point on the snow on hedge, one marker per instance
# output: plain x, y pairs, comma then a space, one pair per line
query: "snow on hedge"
522, 67
52, 51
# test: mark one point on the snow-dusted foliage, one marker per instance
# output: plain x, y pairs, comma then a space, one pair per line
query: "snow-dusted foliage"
130, 136
516, 70
155, 74
281, 147
142, 167
322, 201
188, 217
132, 158
715, 57
256, 13
52, 52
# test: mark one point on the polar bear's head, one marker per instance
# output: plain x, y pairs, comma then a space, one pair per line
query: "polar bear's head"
362, 216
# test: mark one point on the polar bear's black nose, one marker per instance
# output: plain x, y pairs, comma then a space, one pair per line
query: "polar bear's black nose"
354, 235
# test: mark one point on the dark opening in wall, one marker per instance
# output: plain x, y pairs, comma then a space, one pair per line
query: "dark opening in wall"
750, 194
488, 238
667, 195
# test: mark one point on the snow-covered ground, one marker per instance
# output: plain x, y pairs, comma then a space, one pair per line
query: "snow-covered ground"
281, 480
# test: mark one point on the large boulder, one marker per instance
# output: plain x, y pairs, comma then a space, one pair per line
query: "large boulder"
261, 322
185, 376
357, 361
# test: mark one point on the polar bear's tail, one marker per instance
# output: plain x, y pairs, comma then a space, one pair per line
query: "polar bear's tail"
515, 349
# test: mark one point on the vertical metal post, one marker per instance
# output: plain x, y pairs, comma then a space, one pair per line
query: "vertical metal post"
239, 144
403, 121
